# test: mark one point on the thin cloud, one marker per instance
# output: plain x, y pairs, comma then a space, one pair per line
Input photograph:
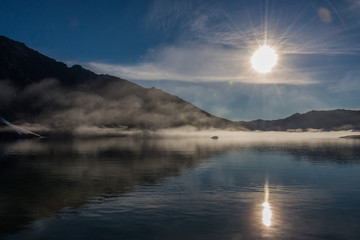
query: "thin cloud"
199, 62
215, 46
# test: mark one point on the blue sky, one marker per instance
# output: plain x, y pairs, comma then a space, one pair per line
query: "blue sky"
201, 50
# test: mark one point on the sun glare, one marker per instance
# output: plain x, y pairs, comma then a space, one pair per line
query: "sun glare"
264, 59
267, 214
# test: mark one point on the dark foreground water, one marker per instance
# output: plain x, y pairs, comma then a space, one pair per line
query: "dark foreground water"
123, 188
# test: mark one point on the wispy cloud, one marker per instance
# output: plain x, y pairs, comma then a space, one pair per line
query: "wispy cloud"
189, 62
215, 45
199, 62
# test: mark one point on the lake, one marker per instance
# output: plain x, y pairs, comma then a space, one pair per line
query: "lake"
180, 188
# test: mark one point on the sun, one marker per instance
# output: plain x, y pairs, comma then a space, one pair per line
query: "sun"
264, 59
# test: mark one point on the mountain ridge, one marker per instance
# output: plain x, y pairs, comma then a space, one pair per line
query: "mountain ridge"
37, 89
327, 120
24, 65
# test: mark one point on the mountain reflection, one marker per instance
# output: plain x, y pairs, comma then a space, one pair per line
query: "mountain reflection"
44, 178
40, 177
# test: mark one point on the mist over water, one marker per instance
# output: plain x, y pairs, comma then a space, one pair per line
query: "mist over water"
105, 106
181, 187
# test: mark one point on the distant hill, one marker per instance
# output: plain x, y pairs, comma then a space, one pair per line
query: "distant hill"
39, 90
333, 120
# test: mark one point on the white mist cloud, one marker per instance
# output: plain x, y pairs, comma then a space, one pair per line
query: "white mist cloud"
195, 62
190, 62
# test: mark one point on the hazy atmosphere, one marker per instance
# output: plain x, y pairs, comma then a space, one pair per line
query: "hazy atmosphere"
201, 50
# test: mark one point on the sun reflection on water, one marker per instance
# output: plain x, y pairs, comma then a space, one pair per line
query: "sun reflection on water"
266, 213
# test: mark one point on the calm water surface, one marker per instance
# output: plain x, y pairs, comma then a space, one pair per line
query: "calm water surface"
126, 188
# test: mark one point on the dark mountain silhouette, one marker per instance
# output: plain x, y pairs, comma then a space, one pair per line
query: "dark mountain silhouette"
333, 120
23, 66
39, 90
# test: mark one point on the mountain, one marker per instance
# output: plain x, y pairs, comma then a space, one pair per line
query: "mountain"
41, 91
24, 66
333, 120
45, 94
